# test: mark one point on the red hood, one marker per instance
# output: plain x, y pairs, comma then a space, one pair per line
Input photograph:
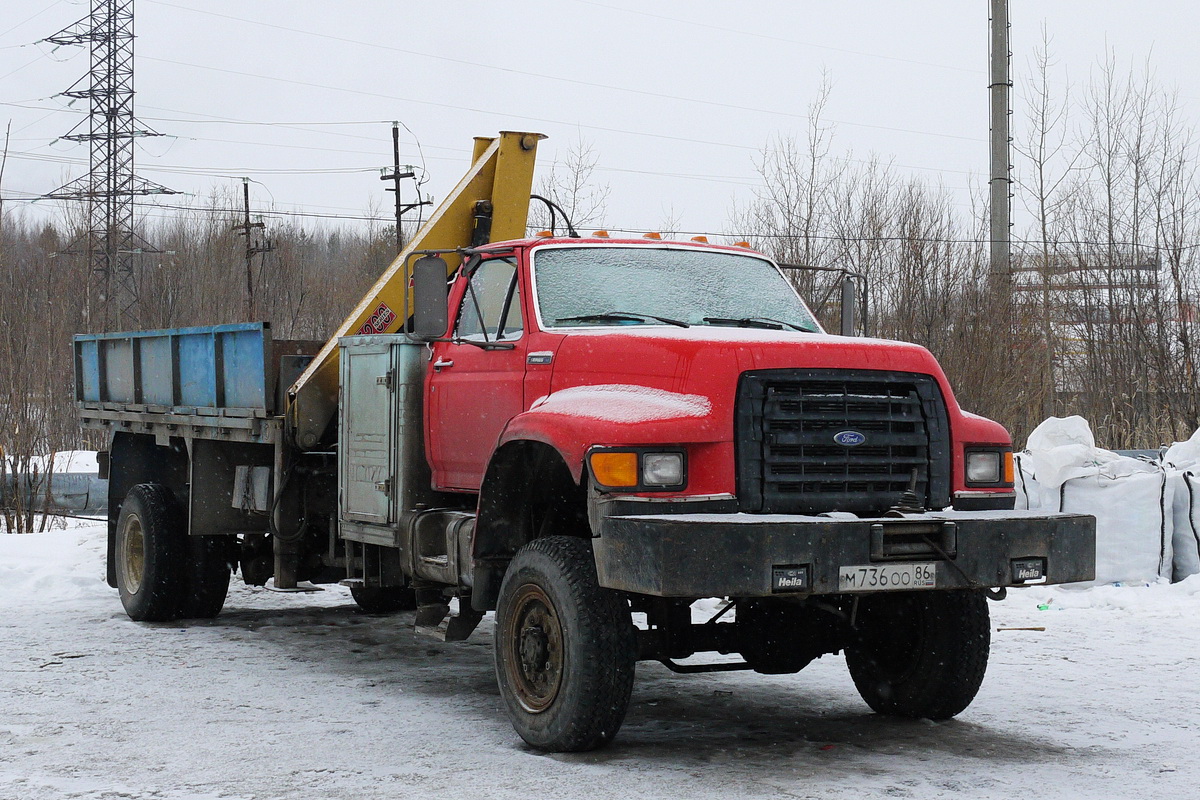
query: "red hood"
707, 360
653, 385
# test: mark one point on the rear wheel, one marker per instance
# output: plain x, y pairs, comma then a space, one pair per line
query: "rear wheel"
150, 549
920, 654
206, 576
565, 648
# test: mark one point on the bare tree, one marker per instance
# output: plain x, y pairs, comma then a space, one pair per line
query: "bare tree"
570, 183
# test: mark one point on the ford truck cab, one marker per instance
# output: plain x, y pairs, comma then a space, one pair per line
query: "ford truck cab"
661, 422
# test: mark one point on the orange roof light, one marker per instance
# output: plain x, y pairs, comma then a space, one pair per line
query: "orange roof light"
700, 239
600, 234
544, 234
741, 244
652, 235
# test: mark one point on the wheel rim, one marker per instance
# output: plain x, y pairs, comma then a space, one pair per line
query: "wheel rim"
133, 555
533, 644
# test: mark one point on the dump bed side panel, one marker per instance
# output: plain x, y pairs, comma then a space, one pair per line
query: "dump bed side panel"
220, 369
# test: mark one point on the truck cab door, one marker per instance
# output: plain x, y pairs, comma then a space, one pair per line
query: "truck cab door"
475, 383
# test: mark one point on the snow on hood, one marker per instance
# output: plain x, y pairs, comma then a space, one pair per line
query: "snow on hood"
617, 402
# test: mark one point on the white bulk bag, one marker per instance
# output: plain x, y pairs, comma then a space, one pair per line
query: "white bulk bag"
1185, 540
1134, 520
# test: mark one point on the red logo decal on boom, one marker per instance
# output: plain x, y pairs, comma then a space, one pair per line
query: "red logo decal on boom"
378, 321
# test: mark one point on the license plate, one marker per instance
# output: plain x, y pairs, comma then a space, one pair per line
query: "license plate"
885, 577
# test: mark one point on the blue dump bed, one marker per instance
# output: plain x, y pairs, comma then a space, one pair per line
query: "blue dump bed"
212, 370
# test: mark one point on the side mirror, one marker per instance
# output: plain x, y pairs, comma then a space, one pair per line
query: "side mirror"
849, 305
430, 297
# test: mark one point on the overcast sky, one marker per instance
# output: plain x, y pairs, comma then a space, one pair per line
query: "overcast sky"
675, 98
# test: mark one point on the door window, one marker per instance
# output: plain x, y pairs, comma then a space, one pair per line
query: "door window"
491, 307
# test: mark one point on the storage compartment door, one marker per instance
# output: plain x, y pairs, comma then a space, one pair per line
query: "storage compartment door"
365, 460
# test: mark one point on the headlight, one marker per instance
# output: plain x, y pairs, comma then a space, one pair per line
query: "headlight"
662, 469
638, 469
989, 467
983, 467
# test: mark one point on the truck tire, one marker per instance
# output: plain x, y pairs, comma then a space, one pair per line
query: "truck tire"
920, 654
151, 545
565, 648
206, 577
384, 599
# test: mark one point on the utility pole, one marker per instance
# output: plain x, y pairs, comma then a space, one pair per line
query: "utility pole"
252, 249
395, 176
1000, 180
3, 162
110, 185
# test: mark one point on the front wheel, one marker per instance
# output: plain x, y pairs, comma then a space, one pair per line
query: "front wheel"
565, 648
920, 654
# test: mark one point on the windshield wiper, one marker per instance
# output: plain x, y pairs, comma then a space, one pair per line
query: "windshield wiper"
627, 316
491, 344
769, 323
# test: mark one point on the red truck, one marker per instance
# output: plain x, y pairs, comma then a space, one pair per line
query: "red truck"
586, 436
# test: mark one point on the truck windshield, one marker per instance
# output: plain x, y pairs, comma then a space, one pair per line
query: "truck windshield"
585, 286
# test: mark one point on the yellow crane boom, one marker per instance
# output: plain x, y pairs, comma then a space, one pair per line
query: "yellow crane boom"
501, 175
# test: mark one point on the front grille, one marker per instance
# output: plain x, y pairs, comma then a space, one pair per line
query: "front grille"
789, 461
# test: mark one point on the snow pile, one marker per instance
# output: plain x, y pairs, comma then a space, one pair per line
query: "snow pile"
1160, 599
53, 568
1089, 694
624, 403
1132, 500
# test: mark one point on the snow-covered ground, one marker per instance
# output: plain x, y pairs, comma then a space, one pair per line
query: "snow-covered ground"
301, 696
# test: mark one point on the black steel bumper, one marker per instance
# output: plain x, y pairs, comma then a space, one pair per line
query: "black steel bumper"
747, 555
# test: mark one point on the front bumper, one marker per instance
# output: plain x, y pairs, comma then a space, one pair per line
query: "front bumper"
742, 555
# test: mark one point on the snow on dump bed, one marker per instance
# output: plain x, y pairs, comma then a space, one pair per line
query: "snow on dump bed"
618, 402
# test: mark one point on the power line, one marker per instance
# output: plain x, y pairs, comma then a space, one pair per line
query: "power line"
543, 76
457, 150
30, 19
733, 236
211, 172
436, 104
769, 37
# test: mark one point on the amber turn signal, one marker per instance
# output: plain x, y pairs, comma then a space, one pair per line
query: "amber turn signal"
615, 469
1008, 467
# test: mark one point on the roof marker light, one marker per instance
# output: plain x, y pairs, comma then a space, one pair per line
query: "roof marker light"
600, 234
652, 235
544, 234
700, 239
741, 244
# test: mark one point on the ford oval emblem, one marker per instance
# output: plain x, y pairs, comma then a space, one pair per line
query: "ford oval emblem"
849, 438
